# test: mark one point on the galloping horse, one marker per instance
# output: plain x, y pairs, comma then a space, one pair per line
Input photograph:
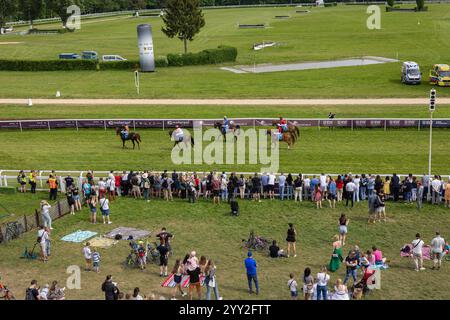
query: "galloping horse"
287, 137
290, 128
187, 138
234, 128
133, 136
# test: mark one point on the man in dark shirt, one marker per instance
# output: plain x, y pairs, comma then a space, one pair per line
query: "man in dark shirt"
69, 181
163, 258
110, 289
164, 237
351, 262
274, 249
395, 186
32, 292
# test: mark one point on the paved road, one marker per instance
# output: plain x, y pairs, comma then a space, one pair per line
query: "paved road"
291, 102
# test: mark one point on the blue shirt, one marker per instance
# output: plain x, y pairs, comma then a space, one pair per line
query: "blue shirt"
313, 183
265, 180
332, 187
250, 265
282, 180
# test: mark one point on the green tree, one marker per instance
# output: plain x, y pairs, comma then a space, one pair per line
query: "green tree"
8, 9
59, 7
30, 10
137, 4
390, 3
183, 19
420, 4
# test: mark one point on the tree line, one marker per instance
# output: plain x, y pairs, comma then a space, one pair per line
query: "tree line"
30, 10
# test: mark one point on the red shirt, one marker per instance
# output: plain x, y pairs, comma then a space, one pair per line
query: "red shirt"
340, 184
117, 180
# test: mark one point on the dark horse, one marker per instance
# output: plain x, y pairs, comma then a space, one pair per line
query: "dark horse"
133, 136
234, 128
186, 139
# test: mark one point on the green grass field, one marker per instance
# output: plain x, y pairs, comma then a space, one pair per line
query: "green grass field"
204, 112
212, 232
324, 34
334, 151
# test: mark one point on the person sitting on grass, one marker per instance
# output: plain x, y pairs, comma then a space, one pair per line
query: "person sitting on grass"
275, 251
340, 291
379, 260
56, 292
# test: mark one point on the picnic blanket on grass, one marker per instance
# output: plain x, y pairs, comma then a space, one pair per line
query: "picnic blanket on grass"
79, 236
170, 283
426, 252
102, 242
127, 232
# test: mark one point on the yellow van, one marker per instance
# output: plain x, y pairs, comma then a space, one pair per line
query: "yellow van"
440, 75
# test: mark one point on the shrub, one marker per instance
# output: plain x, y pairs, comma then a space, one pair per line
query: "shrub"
208, 56
390, 3
47, 65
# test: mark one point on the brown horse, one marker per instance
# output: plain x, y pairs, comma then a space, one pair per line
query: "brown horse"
291, 128
287, 137
133, 136
233, 128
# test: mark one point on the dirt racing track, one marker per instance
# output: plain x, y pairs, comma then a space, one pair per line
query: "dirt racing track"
222, 102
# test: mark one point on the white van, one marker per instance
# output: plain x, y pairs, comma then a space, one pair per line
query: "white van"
411, 73
112, 57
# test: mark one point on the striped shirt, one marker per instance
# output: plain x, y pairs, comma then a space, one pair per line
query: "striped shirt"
96, 257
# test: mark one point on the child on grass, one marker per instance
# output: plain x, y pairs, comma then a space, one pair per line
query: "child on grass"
96, 261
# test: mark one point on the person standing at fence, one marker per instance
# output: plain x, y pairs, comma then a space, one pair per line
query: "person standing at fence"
22, 180
32, 180
298, 185
256, 187
350, 189
45, 211
111, 188
395, 186
281, 185
53, 186
68, 181
86, 186
339, 188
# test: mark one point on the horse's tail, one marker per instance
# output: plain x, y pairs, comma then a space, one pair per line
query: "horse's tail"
294, 137
192, 141
298, 131
138, 137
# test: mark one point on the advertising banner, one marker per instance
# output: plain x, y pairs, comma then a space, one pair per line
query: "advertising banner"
145, 43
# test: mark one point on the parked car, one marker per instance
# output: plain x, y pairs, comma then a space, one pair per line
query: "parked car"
89, 55
112, 57
411, 73
440, 75
69, 56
